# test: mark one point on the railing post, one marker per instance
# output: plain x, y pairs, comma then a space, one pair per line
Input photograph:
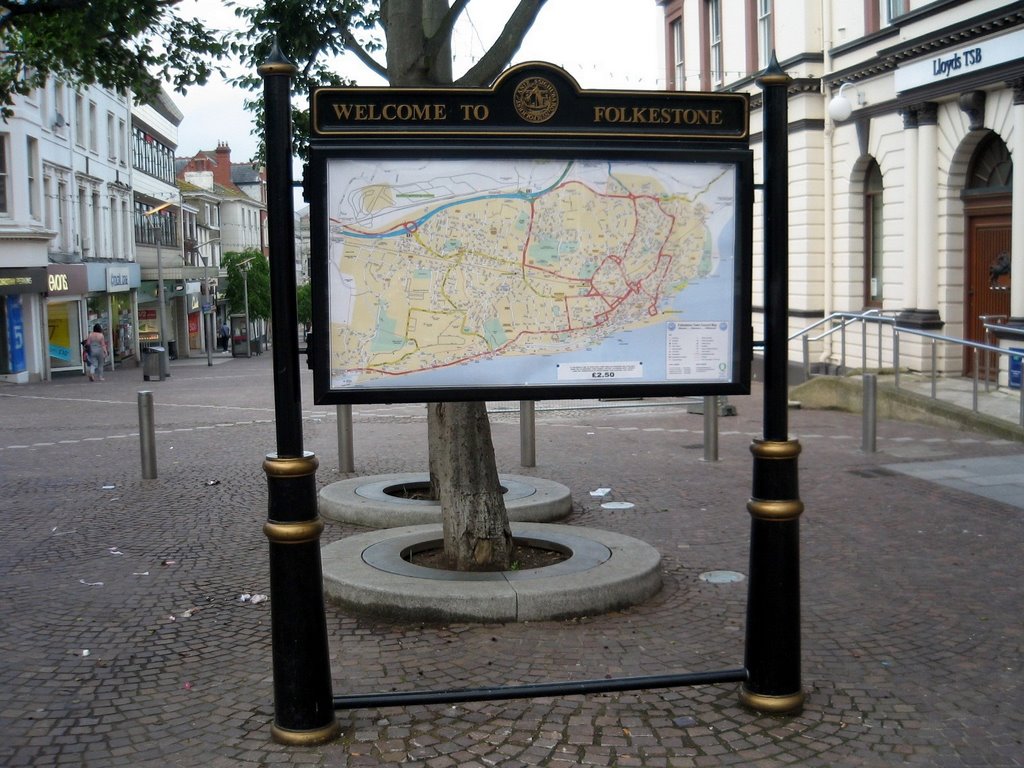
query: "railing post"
974, 393
346, 454
842, 347
863, 344
896, 355
869, 413
711, 428
527, 434
807, 356
934, 373
147, 435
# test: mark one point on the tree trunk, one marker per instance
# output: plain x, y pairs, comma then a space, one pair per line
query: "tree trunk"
463, 470
464, 473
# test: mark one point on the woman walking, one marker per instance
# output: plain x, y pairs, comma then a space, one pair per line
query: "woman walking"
97, 344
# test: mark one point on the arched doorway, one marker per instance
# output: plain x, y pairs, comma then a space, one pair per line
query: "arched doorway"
987, 207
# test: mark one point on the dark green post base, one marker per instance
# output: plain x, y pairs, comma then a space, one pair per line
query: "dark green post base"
773, 600
303, 700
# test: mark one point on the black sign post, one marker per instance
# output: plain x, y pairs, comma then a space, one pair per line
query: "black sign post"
772, 655
303, 714
535, 113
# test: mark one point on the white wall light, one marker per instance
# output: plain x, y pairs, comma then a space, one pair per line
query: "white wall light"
840, 108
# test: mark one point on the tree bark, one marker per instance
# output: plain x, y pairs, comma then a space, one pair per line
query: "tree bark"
464, 472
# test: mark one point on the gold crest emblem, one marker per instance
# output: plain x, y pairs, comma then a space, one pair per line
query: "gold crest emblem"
535, 99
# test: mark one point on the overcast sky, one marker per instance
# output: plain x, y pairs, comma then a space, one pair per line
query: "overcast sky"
602, 43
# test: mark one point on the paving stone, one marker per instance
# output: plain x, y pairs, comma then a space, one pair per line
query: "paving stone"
911, 638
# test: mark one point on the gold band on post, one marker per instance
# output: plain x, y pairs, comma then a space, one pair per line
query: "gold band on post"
297, 466
292, 738
277, 68
775, 449
775, 510
772, 705
294, 533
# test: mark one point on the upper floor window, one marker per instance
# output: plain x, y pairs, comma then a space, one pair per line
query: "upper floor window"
32, 155
881, 13
111, 137
4, 179
151, 156
162, 224
713, 75
765, 33
93, 132
80, 129
678, 67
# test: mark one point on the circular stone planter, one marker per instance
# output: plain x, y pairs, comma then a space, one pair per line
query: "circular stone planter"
605, 572
365, 501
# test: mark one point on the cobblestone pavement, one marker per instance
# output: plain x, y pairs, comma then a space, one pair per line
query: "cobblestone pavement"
124, 642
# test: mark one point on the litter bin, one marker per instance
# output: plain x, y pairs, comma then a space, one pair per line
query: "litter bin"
153, 364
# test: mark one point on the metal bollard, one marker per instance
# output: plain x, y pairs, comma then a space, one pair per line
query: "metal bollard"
346, 455
527, 434
710, 429
147, 435
869, 412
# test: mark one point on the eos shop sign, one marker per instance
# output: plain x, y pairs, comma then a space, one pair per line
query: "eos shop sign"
965, 60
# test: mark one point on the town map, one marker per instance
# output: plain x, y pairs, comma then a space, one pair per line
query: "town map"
530, 272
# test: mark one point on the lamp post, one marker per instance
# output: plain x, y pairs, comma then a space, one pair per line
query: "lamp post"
158, 231
207, 315
244, 266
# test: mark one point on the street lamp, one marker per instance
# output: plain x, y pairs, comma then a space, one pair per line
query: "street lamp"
155, 223
207, 315
244, 266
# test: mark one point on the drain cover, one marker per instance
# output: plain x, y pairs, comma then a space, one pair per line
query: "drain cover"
617, 505
721, 577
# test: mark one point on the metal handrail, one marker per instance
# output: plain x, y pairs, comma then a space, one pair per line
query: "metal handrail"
978, 349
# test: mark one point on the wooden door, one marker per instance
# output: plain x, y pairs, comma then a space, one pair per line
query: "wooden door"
987, 281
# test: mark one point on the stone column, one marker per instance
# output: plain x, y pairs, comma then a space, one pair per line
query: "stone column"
1017, 230
909, 210
927, 207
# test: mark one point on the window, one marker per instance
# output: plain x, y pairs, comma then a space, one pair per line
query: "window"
63, 201
151, 156
122, 142
713, 75
873, 236
879, 13
678, 68
765, 33
116, 250
83, 222
97, 225
891, 9
79, 120
49, 217
4, 180
111, 137
60, 119
32, 155
92, 127
146, 227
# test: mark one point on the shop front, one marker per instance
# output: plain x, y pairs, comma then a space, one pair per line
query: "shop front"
66, 316
81, 296
18, 288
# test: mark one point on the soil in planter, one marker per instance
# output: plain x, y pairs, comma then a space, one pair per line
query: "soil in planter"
524, 558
